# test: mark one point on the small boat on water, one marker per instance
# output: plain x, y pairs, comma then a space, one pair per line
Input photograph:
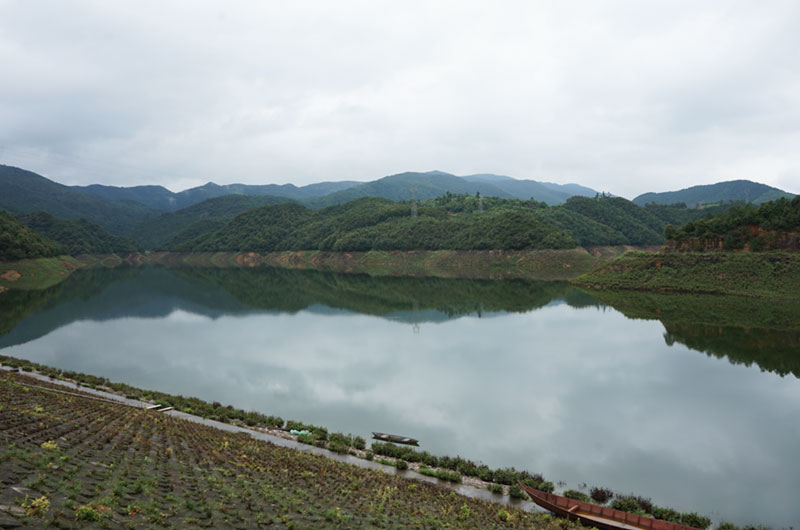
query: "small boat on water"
601, 517
394, 438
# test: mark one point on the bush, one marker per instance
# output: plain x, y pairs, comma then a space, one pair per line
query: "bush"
495, 488
627, 503
536, 482
516, 492
306, 439
577, 495
505, 476
402, 465
666, 514
341, 439
338, 447
601, 495
359, 443
450, 476
695, 520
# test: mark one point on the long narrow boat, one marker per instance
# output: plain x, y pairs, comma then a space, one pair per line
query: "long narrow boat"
394, 438
600, 517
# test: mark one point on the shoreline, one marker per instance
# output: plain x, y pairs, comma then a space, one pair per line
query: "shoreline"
548, 265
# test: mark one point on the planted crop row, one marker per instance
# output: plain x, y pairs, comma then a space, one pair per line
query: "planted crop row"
85, 460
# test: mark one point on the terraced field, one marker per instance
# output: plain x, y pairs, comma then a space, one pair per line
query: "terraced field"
71, 461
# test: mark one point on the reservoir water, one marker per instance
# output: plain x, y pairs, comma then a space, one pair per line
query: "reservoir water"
691, 401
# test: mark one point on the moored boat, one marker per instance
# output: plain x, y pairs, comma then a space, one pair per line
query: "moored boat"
394, 438
601, 517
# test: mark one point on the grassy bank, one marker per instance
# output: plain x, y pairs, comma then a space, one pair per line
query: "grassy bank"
490, 264
37, 273
72, 462
774, 275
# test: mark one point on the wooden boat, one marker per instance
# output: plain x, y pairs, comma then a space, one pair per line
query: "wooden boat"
394, 438
601, 517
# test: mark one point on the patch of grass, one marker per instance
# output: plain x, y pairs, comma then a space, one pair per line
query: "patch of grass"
771, 275
495, 488
88, 513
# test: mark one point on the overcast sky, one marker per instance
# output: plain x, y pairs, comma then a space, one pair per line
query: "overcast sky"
625, 97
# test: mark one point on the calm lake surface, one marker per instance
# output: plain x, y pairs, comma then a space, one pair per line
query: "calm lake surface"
694, 403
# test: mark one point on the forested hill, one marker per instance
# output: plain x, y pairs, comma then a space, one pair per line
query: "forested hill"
78, 236
17, 241
734, 190
457, 222
170, 229
23, 192
773, 225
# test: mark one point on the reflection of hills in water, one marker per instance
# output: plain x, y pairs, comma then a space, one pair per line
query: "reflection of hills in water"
107, 294
744, 330
155, 292
773, 350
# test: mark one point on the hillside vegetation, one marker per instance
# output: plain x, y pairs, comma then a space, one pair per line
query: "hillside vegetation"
170, 229
17, 241
456, 222
773, 225
768, 275
78, 236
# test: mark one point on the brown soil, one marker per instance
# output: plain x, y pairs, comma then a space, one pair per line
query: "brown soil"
11, 275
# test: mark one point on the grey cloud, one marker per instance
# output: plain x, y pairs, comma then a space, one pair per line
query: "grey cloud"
620, 97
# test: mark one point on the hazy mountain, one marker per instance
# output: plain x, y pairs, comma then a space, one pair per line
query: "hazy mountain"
432, 184
402, 186
160, 198
526, 189
733, 190
156, 197
24, 192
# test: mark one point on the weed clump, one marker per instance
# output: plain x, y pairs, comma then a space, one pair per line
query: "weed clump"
36, 507
50, 445
495, 488
601, 495
88, 513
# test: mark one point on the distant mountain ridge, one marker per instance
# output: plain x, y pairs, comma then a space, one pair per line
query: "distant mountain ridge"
160, 198
160, 218
427, 185
732, 190
23, 192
